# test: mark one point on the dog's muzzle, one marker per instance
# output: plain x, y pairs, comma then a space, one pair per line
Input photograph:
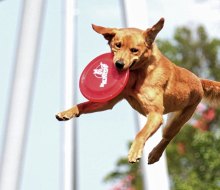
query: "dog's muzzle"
119, 65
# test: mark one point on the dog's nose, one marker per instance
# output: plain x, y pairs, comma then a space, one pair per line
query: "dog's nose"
119, 65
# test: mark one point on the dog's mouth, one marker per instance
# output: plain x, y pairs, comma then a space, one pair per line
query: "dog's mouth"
132, 65
120, 65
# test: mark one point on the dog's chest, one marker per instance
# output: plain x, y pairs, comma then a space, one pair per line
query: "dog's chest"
134, 103
134, 91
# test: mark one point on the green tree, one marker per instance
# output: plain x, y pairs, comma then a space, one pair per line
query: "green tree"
195, 51
193, 156
193, 160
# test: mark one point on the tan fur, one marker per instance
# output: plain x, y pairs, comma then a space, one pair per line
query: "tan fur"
211, 92
156, 86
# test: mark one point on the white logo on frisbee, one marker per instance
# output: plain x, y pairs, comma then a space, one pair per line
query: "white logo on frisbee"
102, 72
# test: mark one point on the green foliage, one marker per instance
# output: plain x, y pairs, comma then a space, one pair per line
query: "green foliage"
198, 167
194, 51
193, 157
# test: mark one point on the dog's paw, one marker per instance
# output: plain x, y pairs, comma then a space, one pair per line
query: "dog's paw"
66, 115
62, 117
154, 156
135, 152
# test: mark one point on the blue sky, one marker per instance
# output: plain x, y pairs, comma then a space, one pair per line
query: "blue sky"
102, 137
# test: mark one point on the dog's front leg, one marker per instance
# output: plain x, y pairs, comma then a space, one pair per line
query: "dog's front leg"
86, 107
153, 123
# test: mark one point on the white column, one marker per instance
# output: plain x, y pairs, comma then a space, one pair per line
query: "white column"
21, 94
69, 72
135, 15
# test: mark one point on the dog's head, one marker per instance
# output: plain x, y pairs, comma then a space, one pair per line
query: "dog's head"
131, 46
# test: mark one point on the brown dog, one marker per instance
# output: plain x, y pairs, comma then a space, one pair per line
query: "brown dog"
156, 86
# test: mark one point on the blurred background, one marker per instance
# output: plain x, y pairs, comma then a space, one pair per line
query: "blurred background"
190, 37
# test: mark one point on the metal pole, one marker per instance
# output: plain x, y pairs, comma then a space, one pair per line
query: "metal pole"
135, 15
21, 94
69, 130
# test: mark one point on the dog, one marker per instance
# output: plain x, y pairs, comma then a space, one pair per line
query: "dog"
156, 86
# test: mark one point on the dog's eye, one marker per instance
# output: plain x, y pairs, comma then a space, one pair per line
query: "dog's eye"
134, 50
118, 45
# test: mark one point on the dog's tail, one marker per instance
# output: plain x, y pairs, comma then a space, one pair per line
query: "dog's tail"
211, 92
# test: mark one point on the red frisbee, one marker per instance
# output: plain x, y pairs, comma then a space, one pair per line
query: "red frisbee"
100, 81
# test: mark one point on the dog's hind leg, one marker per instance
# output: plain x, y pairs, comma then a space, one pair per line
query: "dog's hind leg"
173, 126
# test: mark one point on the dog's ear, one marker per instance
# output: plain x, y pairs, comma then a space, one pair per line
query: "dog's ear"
108, 33
151, 33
